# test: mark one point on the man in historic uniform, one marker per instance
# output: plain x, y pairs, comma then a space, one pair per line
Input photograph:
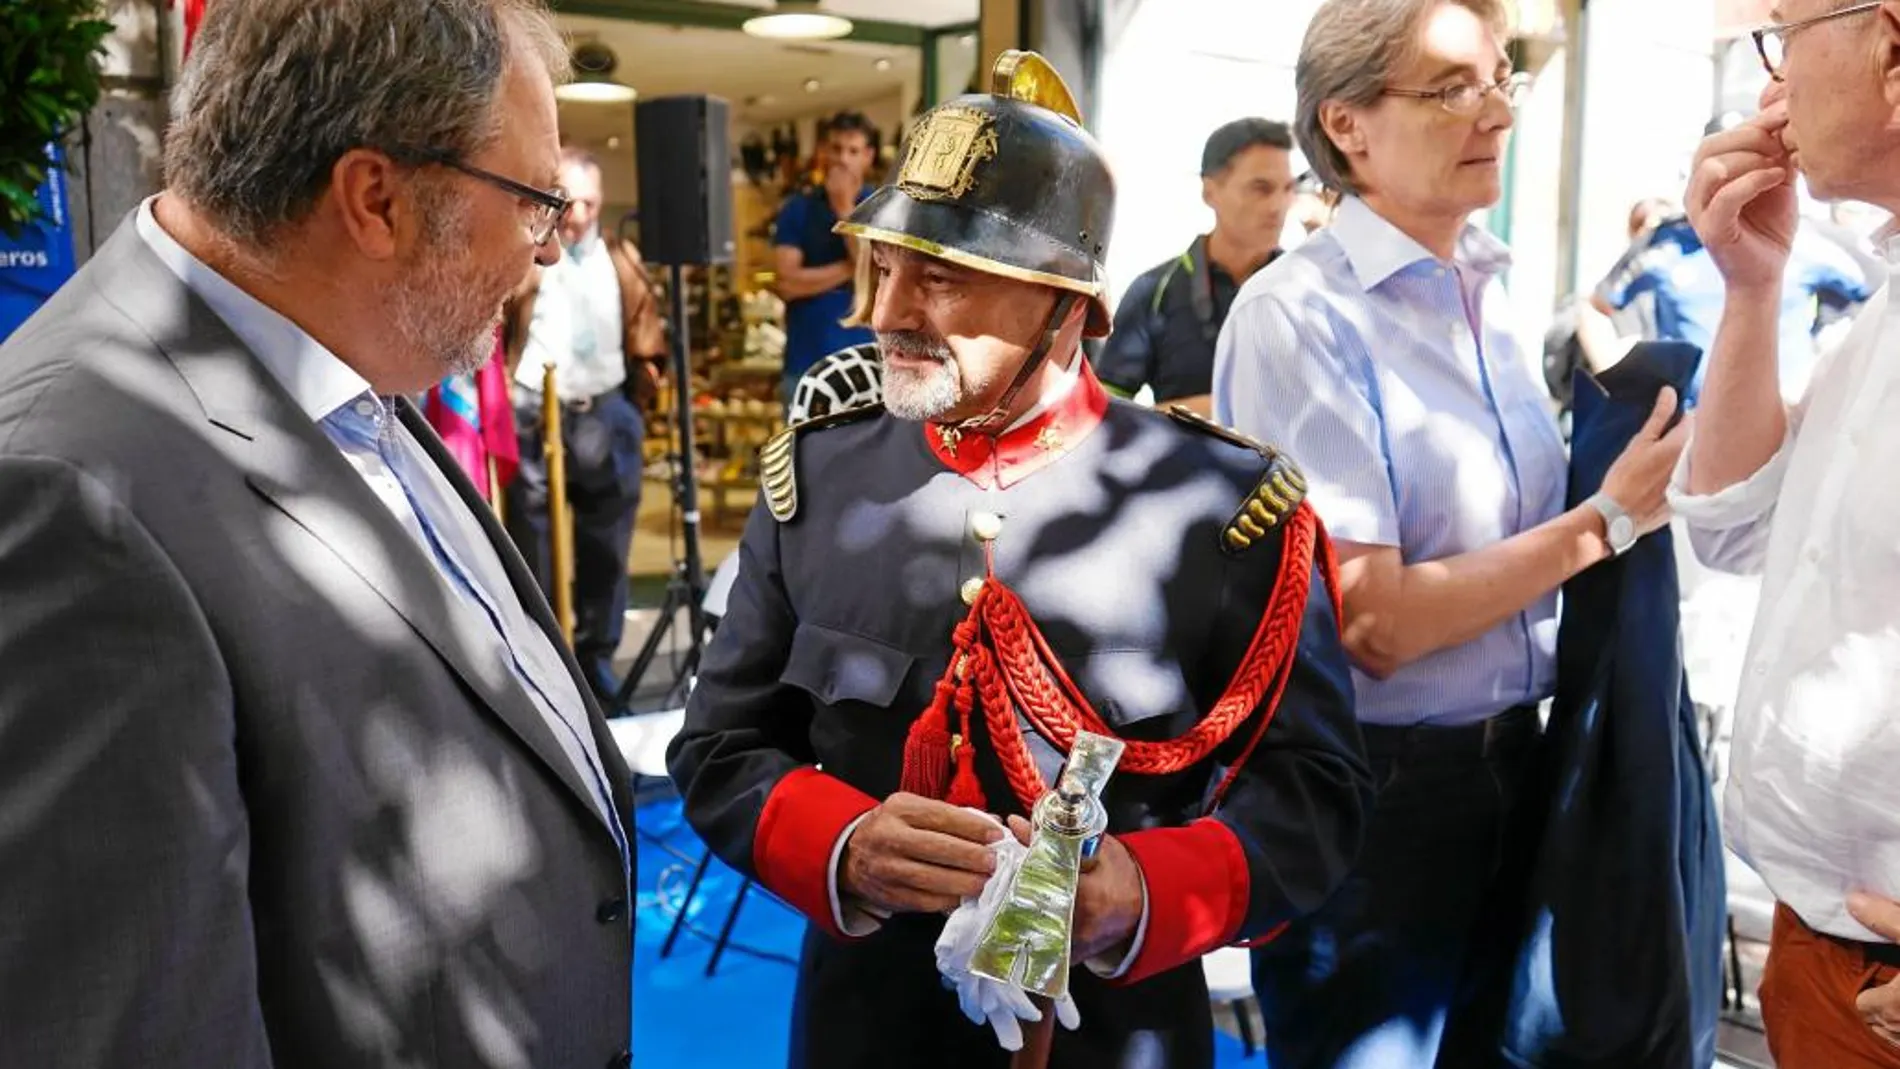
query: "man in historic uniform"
938, 593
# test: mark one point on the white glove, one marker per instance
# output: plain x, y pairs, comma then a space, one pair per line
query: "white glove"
1003, 1005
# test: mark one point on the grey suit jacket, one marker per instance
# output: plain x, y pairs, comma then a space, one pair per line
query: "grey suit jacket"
264, 800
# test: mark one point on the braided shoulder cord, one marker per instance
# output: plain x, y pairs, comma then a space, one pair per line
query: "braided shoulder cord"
1015, 669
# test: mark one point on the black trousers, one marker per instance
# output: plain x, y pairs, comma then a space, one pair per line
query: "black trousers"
1372, 978
604, 439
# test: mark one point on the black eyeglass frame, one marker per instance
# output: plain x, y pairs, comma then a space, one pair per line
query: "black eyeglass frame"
1782, 30
555, 203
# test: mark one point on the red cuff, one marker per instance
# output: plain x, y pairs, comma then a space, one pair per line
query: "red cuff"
1198, 886
791, 851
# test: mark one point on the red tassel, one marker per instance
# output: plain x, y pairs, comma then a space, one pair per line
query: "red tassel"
927, 747
926, 761
964, 789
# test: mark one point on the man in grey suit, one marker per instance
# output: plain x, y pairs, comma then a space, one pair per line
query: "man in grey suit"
294, 768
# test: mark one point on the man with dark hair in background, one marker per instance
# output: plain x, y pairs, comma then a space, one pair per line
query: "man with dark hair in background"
1171, 316
814, 265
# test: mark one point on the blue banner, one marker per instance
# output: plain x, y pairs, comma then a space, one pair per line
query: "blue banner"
40, 260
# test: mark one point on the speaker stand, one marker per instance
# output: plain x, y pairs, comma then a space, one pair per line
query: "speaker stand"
687, 586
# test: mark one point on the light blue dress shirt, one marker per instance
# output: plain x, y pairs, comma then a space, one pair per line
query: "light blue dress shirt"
1390, 379
365, 427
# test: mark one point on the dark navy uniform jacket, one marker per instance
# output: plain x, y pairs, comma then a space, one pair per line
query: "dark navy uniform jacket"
840, 623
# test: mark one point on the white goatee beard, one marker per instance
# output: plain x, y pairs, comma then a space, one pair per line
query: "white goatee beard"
920, 395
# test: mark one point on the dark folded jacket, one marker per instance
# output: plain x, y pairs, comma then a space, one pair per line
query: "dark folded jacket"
1611, 910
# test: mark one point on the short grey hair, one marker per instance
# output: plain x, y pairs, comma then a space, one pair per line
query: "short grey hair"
276, 91
1351, 48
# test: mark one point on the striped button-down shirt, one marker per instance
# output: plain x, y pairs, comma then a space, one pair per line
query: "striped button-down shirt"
1389, 377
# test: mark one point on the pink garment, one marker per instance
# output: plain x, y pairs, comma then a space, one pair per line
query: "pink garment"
475, 418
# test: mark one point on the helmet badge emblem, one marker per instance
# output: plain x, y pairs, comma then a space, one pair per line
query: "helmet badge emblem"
945, 152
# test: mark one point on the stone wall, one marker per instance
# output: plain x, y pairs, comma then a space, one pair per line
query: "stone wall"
114, 157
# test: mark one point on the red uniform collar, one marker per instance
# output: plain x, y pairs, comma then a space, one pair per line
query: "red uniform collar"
1000, 461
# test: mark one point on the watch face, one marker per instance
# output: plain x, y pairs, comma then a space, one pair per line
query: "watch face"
1622, 533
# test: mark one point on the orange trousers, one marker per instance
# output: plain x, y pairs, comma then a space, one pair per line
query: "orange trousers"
1807, 999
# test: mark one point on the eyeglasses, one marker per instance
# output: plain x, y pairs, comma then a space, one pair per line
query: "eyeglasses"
1467, 97
550, 205
1771, 41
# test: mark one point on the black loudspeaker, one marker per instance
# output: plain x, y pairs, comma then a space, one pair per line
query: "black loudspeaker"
684, 156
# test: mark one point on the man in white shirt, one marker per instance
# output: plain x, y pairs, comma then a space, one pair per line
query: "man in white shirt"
592, 315
1804, 495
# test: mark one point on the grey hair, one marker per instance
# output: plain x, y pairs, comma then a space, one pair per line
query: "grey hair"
1351, 48
276, 91
576, 156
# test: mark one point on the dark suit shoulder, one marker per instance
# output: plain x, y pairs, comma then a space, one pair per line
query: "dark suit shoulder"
1268, 484
779, 458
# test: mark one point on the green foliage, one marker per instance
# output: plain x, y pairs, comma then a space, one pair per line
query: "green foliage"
49, 77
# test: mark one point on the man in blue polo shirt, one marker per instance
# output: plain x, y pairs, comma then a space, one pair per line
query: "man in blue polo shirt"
814, 265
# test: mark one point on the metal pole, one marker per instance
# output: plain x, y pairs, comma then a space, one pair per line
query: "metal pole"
560, 522
688, 478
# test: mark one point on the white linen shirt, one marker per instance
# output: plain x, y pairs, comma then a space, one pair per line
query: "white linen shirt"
1813, 799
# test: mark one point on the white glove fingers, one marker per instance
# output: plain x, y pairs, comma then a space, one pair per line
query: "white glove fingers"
1067, 1015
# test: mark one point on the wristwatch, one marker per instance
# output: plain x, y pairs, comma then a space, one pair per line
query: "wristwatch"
1617, 525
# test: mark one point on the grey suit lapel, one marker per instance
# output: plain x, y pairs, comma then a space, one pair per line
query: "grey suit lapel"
529, 592
288, 460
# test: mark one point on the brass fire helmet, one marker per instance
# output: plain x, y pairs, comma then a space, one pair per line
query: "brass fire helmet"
1006, 182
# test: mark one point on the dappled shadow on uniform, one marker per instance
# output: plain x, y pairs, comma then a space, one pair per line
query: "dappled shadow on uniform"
1114, 549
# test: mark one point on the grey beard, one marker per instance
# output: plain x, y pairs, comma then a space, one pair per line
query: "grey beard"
925, 395
429, 327
432, 310
473, 352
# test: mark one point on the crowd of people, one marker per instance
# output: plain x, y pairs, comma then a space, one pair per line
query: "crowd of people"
298, 769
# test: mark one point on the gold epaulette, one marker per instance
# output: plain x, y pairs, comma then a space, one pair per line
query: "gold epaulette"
778, 471
1274, 498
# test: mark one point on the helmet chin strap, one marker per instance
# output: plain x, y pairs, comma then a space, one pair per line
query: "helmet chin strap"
992, 422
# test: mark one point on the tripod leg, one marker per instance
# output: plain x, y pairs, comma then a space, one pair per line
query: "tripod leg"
679, 918
725, 932
676, 692
648, 649
1243, 1017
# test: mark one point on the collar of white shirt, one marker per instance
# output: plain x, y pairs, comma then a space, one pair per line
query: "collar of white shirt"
315, 378
1377, 250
